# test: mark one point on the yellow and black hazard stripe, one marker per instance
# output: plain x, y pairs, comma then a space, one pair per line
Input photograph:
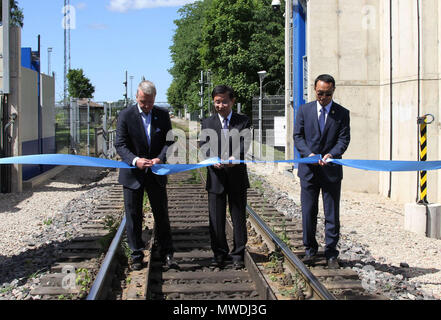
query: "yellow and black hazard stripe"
423, 157
423, 122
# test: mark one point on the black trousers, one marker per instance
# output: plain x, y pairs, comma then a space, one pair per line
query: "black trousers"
217, 213
133, 202
309, 195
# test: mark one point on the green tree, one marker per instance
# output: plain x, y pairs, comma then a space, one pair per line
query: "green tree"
17, 16
233, 39
185, 56
79, 86
241, 38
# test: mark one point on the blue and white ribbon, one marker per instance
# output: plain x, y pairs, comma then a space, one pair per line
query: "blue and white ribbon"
167, 169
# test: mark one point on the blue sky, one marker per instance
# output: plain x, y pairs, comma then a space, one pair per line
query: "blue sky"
110, 37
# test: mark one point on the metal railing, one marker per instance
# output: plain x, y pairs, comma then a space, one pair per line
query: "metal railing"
97, 291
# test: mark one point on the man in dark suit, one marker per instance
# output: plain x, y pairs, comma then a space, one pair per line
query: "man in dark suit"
141, 142
226, 135
322, 127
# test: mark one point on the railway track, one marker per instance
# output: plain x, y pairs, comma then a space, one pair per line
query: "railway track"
273, 268
80, 260
197, 279
295, 280
273, 261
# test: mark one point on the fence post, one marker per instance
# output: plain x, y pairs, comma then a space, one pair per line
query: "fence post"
422, 122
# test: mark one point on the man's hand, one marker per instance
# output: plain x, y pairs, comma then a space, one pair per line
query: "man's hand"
143, 163
323, 161
312, 155
225, 165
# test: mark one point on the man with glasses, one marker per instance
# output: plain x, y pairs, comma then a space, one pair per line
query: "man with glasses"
321, 128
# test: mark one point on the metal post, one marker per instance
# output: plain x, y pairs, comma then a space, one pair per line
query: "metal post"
260, 121
49, 51
88, 127
71, 125
5, 145
262, 75
105, 130
202, 94
5, 53
131, 88
422, 122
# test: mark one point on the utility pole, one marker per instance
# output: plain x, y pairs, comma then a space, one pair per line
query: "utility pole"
131, 88
125, 95
204, 82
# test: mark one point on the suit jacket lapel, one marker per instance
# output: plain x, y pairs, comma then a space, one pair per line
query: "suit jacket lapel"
153, 125
329, 120
216, 125
313, 111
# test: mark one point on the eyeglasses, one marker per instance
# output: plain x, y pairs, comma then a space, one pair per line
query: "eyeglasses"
328, 93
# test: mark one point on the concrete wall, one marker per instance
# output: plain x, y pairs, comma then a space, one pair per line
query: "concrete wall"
29, 118
340, 43
350, 39
14, 104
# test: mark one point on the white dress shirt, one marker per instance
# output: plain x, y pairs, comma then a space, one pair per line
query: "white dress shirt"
147, 123
327, 109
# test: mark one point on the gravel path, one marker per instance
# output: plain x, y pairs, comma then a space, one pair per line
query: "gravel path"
36, 224
407, 265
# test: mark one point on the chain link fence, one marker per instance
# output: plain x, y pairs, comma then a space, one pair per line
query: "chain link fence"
273, 126
85, 127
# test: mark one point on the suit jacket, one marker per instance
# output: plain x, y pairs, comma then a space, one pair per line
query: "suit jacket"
334, 140
235, 178
131, 141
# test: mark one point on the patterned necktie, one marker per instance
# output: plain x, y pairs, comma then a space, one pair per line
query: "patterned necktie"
225, 127
225, 124
322, 119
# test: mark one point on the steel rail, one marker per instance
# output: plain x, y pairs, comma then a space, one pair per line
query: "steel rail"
101, 279
312, 281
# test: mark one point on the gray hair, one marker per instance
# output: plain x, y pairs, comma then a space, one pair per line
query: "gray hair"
147, 87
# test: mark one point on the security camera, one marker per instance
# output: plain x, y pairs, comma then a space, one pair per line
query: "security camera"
275, 4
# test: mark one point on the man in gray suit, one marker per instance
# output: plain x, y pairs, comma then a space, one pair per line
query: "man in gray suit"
141, 142
322, 127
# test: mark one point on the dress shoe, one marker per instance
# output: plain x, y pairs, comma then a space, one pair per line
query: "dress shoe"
136, 265
238, 265
218, 262
333, 263
309, 260
170, 262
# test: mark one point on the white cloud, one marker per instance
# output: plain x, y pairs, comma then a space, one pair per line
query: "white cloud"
98, 26
81, 6
126, 5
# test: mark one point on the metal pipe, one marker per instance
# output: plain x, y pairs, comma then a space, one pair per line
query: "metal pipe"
389, 192
98, 285
6, 67
88, 127
418, 176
